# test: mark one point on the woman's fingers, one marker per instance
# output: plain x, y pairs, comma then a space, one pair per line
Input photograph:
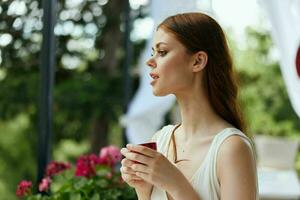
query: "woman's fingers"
126, 162
133, 156
127, 170
128, 173
142, 150
124, 151
129, 176
139, 168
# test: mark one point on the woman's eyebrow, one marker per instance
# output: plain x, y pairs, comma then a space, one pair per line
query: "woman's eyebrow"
158, 44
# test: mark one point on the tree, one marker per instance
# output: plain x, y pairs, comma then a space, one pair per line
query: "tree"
88, 85
263, 92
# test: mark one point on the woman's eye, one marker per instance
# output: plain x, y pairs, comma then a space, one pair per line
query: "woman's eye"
162, 53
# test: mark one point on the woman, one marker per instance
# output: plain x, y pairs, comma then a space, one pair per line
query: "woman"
206, 156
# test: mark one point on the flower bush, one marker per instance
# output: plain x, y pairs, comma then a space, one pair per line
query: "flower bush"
94, 177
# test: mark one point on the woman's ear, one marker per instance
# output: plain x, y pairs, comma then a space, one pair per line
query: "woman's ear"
200, 61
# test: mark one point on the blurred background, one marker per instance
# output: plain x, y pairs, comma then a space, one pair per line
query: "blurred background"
89, 101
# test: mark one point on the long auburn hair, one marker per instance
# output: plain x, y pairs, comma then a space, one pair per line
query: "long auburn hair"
199, 32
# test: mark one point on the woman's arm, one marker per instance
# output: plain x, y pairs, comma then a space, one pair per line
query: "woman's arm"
183, 190
144, 195
236, 170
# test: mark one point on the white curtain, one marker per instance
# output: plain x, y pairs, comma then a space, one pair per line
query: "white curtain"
284, 16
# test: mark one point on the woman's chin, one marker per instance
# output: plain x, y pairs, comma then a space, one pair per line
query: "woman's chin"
158, 93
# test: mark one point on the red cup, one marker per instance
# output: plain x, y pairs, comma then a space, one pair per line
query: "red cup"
151, 145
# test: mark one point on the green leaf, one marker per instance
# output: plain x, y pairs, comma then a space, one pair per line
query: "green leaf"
102, 170
102, 183
75, 196
80, 182
35, 197
95, 197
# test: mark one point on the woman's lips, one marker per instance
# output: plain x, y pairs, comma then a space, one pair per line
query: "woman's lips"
154, 77
153, 81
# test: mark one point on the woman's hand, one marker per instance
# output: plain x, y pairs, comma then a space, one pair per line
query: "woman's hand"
143, 188
153, 167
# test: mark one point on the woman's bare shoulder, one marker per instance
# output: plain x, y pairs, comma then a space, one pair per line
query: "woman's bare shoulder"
232, 146
236, 168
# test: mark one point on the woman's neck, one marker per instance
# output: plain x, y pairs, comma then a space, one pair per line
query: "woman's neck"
198, 116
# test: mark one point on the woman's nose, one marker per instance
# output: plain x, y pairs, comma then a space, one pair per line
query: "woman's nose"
151, 63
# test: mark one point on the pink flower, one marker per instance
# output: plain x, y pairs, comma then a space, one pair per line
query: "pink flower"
24, 188
111, 154
56, 167
85, 165
44, 184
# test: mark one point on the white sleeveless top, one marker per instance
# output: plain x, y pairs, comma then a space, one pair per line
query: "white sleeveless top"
204, 180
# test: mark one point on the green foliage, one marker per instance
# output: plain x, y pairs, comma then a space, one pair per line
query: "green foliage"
17, 155
68, 149
81, 188
88, 80
106, 184
82, 98
263, 93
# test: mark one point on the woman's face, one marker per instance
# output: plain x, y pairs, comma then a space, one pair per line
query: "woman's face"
170, 65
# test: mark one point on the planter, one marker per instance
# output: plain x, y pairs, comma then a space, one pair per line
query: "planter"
277, 177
